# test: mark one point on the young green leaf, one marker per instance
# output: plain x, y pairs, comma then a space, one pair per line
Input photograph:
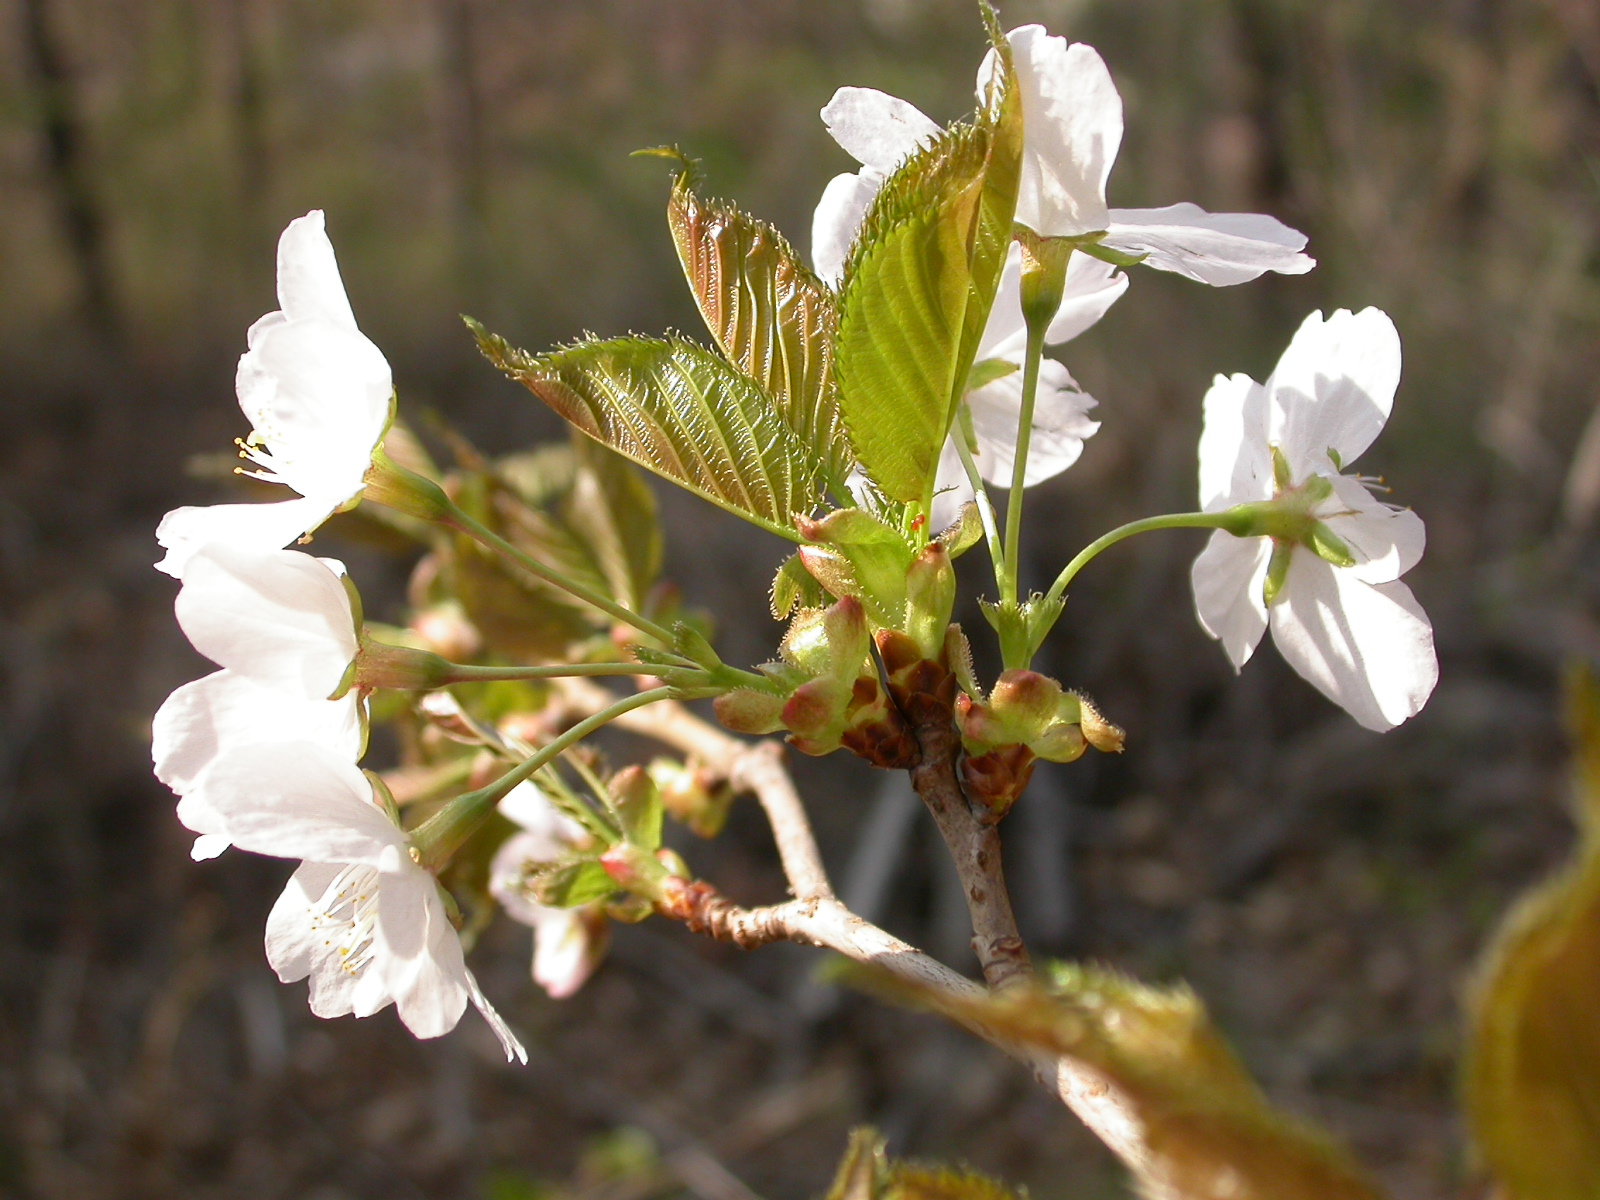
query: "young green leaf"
795, 587
572, 883
1208, 1132
680, 411
903, 312
877, 558
767, 312
613, 509
919, 286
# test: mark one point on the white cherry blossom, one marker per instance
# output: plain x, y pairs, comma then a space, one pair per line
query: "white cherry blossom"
1060, 409
205, 719
360, 917
1071, 131
1354, 631
881, 131
280, 624
318, 395
568, 943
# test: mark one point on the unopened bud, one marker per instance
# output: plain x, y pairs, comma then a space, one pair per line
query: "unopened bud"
745, 710
447, 631
674, 864
1026, 701
930, 598
691, 795
634, 869
830, 641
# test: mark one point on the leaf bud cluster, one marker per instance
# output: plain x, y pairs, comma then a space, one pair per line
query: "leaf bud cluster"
1028, 716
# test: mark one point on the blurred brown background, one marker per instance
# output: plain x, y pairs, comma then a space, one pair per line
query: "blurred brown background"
1323, 888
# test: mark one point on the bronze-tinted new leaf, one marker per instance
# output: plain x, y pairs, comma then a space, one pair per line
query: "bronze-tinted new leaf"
1208, 1131
767, 312
867, 1173
1532, 1079
681, 411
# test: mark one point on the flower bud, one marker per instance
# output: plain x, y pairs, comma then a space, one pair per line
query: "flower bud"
815, 715
447, 631
930, 598
1026, 701
635, 869
745, 710
692, 796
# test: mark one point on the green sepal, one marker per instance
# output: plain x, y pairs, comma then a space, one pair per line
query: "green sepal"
984, 372
1277, 571
1023, 627
571, 883
1282, 477
1117, 258
1329, 547
382, 794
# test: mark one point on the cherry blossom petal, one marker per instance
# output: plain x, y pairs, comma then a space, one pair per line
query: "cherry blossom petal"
1227, 580
1060, 425
292, 944
318, 398
183, 531
1216, 248
1333, 388
568, 944
1386, 542
551, 831
295, 800
951, 487
309, 286
509, 1042
876, 129
296, 948
1368, 648
419, 954
203, 719
1235, 459
208, 846
1092, 287
1072, 129
279, 617
837, 220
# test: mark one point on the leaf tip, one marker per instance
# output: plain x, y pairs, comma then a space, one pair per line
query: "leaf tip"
687, 170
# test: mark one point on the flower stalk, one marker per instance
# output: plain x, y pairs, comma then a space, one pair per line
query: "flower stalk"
442, 834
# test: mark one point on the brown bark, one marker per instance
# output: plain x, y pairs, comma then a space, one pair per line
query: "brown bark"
925, 692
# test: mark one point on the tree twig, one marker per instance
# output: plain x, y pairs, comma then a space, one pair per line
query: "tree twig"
816, 918
756, 768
